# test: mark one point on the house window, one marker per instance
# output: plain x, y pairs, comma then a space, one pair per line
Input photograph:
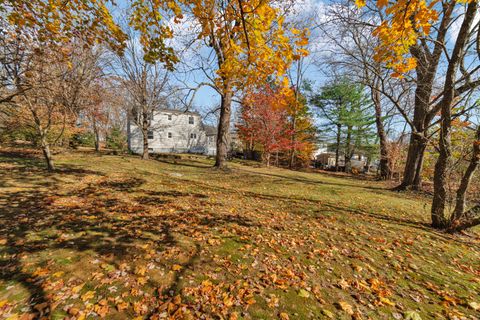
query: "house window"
150, 134
169, 117
190, 120
169, 134
193, 136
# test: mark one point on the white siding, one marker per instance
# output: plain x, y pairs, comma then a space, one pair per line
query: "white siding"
177, 135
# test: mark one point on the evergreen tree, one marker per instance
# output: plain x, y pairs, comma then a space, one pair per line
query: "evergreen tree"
347, 111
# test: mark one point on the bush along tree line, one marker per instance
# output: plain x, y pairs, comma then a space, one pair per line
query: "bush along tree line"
267, 125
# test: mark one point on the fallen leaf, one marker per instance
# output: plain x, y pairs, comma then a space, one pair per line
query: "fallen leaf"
73, 311
474, 305
122, 305
345, 307
343, 284
304, 293
284, 316
77, 289
39, 272
387, 301
412, 315
328, 313
58, 274
357, 316
101, 310
228, 301
176, 267
140, 308
140, 270
88, 295
358, 268
107, 267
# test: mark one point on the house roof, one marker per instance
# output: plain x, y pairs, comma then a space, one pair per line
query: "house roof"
210, 130
177, 111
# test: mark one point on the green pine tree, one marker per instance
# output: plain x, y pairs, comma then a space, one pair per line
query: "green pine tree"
348, 114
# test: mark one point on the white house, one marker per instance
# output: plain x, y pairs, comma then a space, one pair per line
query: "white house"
327, 160
174, 131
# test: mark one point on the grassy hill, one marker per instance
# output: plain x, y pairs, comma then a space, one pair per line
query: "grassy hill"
118, 237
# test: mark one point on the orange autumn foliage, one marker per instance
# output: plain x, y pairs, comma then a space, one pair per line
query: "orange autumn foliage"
406, 21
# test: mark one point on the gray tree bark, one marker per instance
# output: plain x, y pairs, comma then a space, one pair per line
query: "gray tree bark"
224, 129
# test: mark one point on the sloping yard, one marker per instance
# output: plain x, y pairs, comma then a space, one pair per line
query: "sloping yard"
120, 238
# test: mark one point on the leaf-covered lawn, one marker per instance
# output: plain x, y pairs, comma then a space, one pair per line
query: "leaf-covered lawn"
119, 238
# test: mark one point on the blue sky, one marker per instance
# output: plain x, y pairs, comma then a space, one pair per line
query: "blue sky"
207, 98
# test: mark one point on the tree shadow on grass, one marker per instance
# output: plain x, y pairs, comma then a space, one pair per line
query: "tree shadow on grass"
323, 206
93, 217
185, 163
313, 182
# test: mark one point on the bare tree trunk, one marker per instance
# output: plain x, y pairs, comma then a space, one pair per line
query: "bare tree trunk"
251, 148
97, 142
426, 70
337, 149
412, 175
96, 136
439, 219
422, 116
223, 129
348, 150
293, 141
145, 155
42, 132
439, 216
46, 153
385, 167
466, 179
294, 116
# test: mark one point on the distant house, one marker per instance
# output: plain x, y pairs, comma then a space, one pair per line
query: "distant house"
174, 131
326, 160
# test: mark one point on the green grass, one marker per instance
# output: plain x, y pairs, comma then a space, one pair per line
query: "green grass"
118, 237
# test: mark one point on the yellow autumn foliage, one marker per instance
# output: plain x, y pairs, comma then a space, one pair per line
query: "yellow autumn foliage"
249, 37
406, 21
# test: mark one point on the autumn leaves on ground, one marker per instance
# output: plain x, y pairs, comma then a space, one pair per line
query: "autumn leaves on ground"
117, 238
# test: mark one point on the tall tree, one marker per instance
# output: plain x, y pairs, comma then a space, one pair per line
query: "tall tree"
344, 107
263, 121
247, 39
302, 132
42, 105
414, 36
464, 217
146, 85
406, 43
456, 65
348, 33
